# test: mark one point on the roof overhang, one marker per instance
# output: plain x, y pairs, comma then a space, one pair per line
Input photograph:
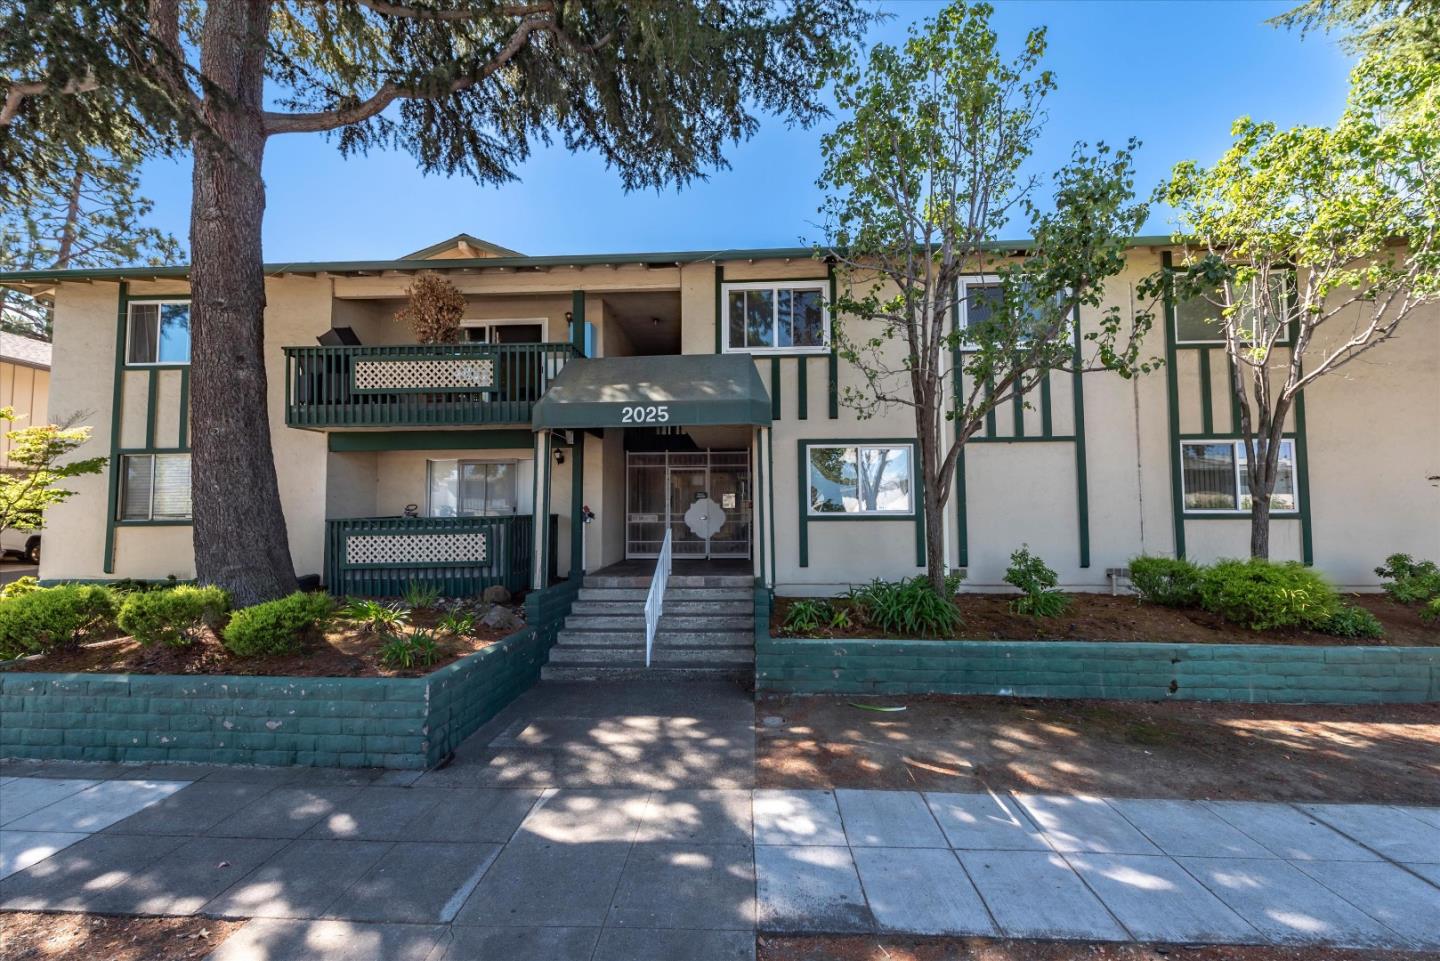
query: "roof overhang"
685, 390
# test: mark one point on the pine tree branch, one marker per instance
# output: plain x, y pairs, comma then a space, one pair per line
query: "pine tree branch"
18, 92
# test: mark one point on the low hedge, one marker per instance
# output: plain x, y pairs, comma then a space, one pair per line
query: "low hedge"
172, 615
46, 618
276, 627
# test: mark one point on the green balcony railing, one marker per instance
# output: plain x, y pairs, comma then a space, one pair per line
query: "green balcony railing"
418, 385
458, 556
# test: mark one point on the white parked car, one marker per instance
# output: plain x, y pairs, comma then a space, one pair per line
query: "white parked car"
23, 544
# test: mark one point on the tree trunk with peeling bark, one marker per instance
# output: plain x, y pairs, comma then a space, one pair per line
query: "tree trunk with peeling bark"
233, 480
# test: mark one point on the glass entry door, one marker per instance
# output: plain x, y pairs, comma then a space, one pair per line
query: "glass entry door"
703, 498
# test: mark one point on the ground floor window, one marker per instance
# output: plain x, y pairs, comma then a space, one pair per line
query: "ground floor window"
155, 487
861, 479
1214, 477
472, 488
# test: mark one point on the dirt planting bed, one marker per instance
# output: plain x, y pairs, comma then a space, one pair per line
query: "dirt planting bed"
1101, 617
32, 936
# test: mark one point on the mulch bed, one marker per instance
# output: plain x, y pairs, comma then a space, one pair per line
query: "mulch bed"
1380, 754
342, 651
1101, 617
900, 948
32, 936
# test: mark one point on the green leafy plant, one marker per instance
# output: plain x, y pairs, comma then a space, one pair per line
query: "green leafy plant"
456, 624
1263, 595
840, 618
404, 651
276, 627
419, 595
1167, 581
908, 608
21, 585
806, 616
1351, 621
1409, 581
173, 615
1030, 574
375, 617
49, 617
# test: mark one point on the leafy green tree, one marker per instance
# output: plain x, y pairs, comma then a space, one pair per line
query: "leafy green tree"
38, 470
467, 86
922, 177
84, 211
1313, 245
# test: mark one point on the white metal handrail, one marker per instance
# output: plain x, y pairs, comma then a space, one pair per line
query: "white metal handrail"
655, 600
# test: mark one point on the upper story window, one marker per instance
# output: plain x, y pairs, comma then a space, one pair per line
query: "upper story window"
1198, 319
776, 316
861, 479
159, 332
981, 297
1214, 479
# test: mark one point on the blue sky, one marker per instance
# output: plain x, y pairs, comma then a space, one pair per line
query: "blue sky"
1174, 73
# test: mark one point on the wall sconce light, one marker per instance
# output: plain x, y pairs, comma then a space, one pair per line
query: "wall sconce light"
559, 456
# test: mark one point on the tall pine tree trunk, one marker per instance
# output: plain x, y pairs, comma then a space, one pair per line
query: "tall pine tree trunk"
239, 528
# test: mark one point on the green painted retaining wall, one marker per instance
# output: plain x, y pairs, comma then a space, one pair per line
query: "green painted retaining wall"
327, 722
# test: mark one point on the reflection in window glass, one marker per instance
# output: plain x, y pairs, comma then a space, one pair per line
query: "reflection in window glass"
1283, 496
472, 488
785, 316
759, 318
802, 318
159, 333
1198, 319
1213, 476
155, 487
860, 480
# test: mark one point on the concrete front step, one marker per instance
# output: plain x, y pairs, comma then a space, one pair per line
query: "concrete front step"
675, 580
573, 638
669, 672
731, 656
677, 622
677, 593
673, 605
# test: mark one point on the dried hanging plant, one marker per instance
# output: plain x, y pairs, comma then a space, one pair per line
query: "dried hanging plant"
434, 310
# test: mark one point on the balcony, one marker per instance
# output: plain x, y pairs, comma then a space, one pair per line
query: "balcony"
418, 385
458, 556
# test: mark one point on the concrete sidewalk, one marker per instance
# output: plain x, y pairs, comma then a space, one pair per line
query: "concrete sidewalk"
525, 847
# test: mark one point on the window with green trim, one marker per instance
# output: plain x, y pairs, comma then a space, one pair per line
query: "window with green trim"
158, 333
155, 487
861, 479
1198, 320
775, 317
1214, 479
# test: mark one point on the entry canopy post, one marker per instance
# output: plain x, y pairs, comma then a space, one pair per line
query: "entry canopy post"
685, 390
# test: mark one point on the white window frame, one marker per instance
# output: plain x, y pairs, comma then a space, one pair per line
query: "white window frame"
460, 463
858, 446
487, 323
1239, 447
130, 327
774, 285
149, 517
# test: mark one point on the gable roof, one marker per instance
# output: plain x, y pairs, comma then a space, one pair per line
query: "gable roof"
17, 349
461, 246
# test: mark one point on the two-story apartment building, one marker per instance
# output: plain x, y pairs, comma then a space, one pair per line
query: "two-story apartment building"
697, 393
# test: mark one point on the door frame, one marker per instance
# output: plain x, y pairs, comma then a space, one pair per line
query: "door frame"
670, 513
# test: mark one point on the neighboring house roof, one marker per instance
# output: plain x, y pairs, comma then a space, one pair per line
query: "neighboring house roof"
461, 246
15, 349
39, 280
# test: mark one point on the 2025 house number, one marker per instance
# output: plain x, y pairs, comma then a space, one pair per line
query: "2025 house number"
640, 414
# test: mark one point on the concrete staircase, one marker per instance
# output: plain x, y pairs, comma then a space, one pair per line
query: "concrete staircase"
707, 630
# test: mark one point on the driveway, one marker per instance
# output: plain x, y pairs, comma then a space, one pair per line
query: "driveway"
601, 822
13, 570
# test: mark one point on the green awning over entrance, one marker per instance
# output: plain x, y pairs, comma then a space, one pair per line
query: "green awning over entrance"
684, 390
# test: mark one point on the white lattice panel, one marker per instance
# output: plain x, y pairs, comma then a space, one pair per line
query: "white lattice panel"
461, 374
400, 549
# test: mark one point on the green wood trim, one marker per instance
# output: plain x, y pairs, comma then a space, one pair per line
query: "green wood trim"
832, 362
1047, 420
1207, 410
377, 440
151, 409
802, 388
1052, 439
1225, 435
184, 439
1082, 479
1172, 394
577, 501
186, 522
117, 403
1240, 516
719, 304
577, 321
774, 388
1302, 482
919, 512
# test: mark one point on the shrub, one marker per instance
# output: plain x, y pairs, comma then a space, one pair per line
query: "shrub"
374, 617
172, 615
909, 608
1031, 574
806, 616
456, 624
419, 596
1413, 582
1167, 581
20, 585
1263, 595
48, 617
409, 650
1350, 621
276, 627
